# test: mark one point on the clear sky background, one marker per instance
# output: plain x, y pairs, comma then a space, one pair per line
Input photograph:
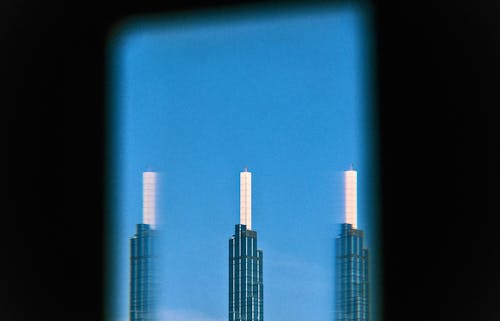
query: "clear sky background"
285, 93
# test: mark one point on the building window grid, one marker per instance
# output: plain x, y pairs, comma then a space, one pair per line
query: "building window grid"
352, 286
248, 266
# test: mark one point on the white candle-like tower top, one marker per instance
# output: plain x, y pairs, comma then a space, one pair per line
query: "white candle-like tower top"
246, 198
350, 197
149, 185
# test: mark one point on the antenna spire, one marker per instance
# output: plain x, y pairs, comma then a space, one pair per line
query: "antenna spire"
149, 198
350, 197
246, 198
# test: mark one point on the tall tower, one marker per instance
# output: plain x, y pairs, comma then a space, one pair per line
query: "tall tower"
142, 256
351, 284
246, 296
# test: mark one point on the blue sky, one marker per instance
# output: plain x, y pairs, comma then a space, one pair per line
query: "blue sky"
198, 99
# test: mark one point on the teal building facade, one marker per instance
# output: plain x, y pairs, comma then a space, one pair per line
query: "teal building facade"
351, 280
142, 274
246, 289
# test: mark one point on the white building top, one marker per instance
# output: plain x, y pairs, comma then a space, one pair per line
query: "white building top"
149, 198
350, 197
246, 198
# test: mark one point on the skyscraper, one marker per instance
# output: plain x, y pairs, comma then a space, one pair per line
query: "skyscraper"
246, 297
351, 284
143, 257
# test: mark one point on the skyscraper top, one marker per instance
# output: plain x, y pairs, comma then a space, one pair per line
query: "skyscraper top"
246, 198
149, 198
350, 197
